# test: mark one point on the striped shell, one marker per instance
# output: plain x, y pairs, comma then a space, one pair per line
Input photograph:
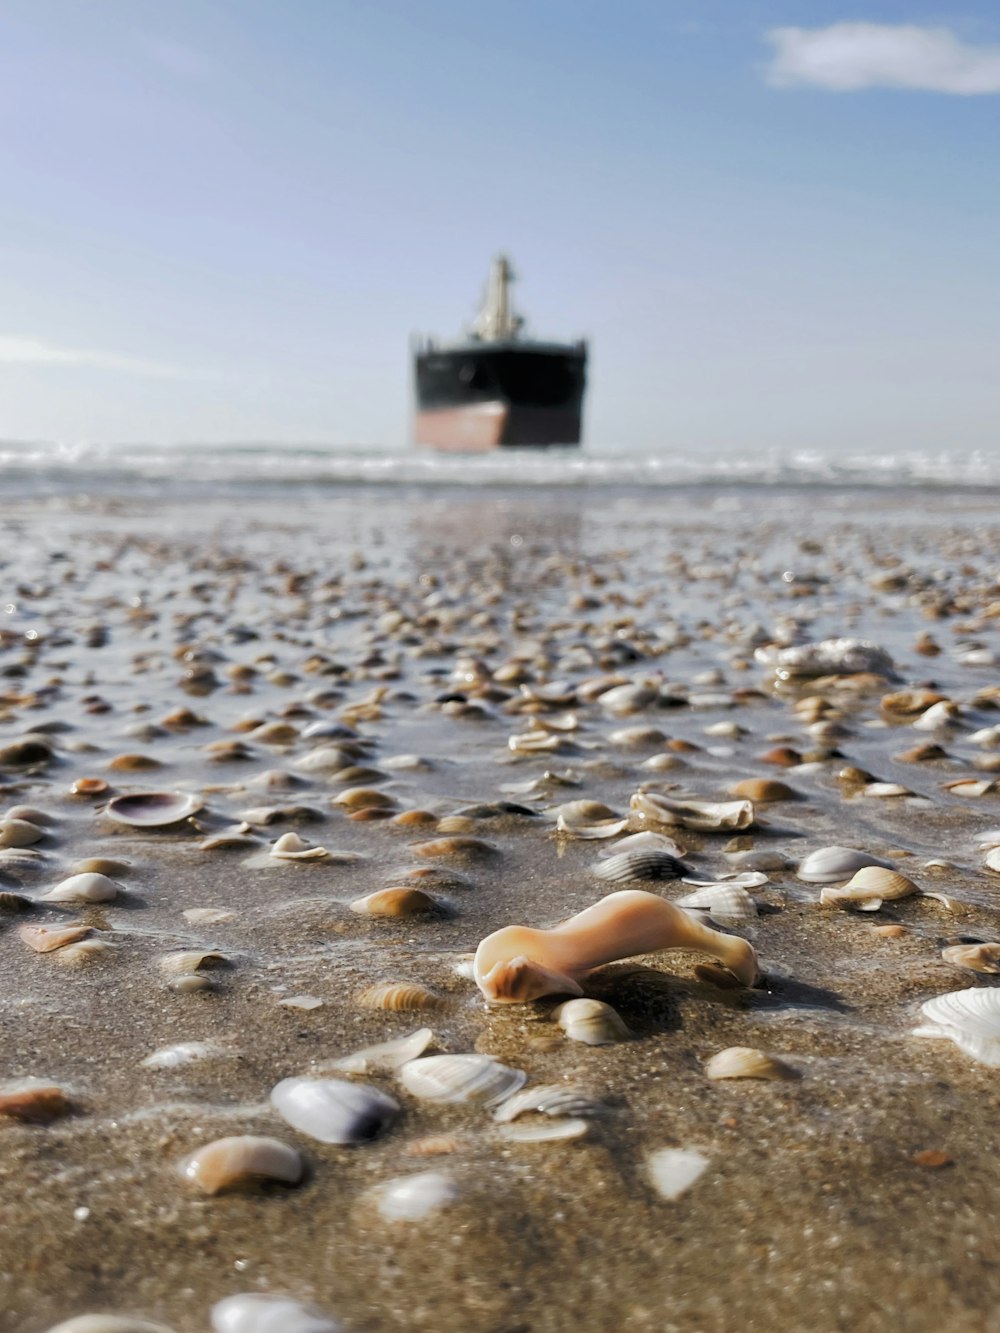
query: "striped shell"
747, 1062
243, 1160
969, 1018
639, 864
645, 841
591, 1021
553, 1099
399, 996
460, 1078
869, 888
727, 903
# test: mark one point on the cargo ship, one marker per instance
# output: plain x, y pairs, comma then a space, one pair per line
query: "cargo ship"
496, 388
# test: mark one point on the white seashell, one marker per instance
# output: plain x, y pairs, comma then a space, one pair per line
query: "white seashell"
638, 865
551, 1099
706, 816
662, 762
186, 1053
631, 698
992, 859
410, 1198
969, 1018
973, 787
260, 1312
88, 888
387, 1054
333, 1111
460, 1078
637, 736
19, 833
831, 657
291, 847
647, 841
591, 1021
152, 809
746, 1062
108, 1323
84, 951
869, 888
987, 737
325, 759
674, 1170
884, 790
939, 716
534, 742
544, 1131
990, 838
827, 864
233, 1163
726, 903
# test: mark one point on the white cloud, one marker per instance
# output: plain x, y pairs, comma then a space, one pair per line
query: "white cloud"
848, 56
15, 351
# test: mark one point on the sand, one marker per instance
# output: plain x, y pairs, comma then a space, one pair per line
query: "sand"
861, 1195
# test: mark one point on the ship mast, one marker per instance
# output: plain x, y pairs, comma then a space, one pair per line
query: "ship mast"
497, 321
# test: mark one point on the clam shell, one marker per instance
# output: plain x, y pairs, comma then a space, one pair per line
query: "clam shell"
591, 1021
152, 809
399, 996
333, 1111
747, 1062
245, 1159
979, 957
544, 1131
672, 1171
86, 888
553, 1099
100, 865
387, 1054
706, 816
639, 864
969, 1018
992, 859
363, 798
34, 1100
764, 789
262, 1312
108, 1323
182, 962
827, 864
43, 939
460, 1078
396, 902
410, 1198
869, 888
472, 849
727, 903
19, 833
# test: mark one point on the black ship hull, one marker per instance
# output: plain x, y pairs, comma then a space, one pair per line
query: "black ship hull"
482, 396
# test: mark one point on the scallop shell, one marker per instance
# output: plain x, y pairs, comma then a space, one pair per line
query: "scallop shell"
460, 1078
827, 864
245, 1159
706, 816
34, 1100
410, 1198
291, 847
43, 939
333, 1111
387, 1054
979, 957
152, 809
969, 1018
396, 902
747, 1062
869, 888
725, 903
262, 1312
544, 1131
86, 888
590, 1021
399, 996
672, 1171
639, 865
553, 1099
108, 1323
19, 833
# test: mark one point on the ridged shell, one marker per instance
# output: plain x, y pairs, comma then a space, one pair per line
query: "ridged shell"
591, 1021
387, 1054
723, 902
396, 902
182, 962
672, 1171
152, 809
639, 865
262, 1312
869, 888
86, 888
241, 1161
410, 1198
553, 1099
544, 1131
43, 939
827, 864
460, 1078
706, 816
969, 1018
979, 957
333, 1111
646, 841
747, 1062
399, 996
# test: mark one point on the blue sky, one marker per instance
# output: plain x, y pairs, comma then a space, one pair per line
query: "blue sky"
777, 222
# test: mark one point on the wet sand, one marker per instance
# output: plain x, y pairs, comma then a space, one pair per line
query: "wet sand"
862, 1194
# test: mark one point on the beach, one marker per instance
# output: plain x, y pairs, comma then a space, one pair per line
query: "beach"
450, 646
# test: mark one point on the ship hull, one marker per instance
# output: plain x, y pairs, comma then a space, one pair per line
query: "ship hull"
480, 396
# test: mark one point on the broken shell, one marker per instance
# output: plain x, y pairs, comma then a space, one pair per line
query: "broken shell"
243, 1160
979, 957
33, 1100
969, 1018
639, 865
552, 1099
591, 1021
827, 864
333, 1111
706, 816
290, 847
152, 809
228, 839
397, 902
869, 888
399, 996
410, 1198
544, 1131
387, 1054
460, 1078
588, 819
86, 888
263, 1312
725, 903
84, 951
747, 1062
674, 1170
19, 833
43, 939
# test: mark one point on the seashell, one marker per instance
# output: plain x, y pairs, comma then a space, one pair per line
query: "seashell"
456, 824
84, 951
152, 809
763, 859
306, 1002
182, 718
186, 1053
764, 789
518, 963
229, 839
85, 888
290, 847
263, 1312
399, 997
782, 756
354, 774
969, 1018
325, 759
397, 902
333, 1111
43, 939
979, 957
827, 864
534, 742
706, 816
26, 752
747, 1062
544, 1131
645, 841
553, 1099
639, 865
241, 1161
415, 819
939, 716
387, 1054
831, 657
672, 1171
275, 779
108, 1323
910, 703
100, 865
33, 1100
591, 1021
363, 798
411, 1198
19, 833
869, 888
662, 763
992, 859
407, 763
274, 733
182, 962
883, 790
14, 902
728, 904
630, 698
278, 814
190, 982
133, 763
460, 1078
31, 815
636, 737
973, 787
462, 848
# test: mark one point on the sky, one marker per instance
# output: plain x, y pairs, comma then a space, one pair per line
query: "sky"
776, 221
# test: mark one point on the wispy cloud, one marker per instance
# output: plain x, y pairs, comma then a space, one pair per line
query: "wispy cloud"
18, 351
849, 56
